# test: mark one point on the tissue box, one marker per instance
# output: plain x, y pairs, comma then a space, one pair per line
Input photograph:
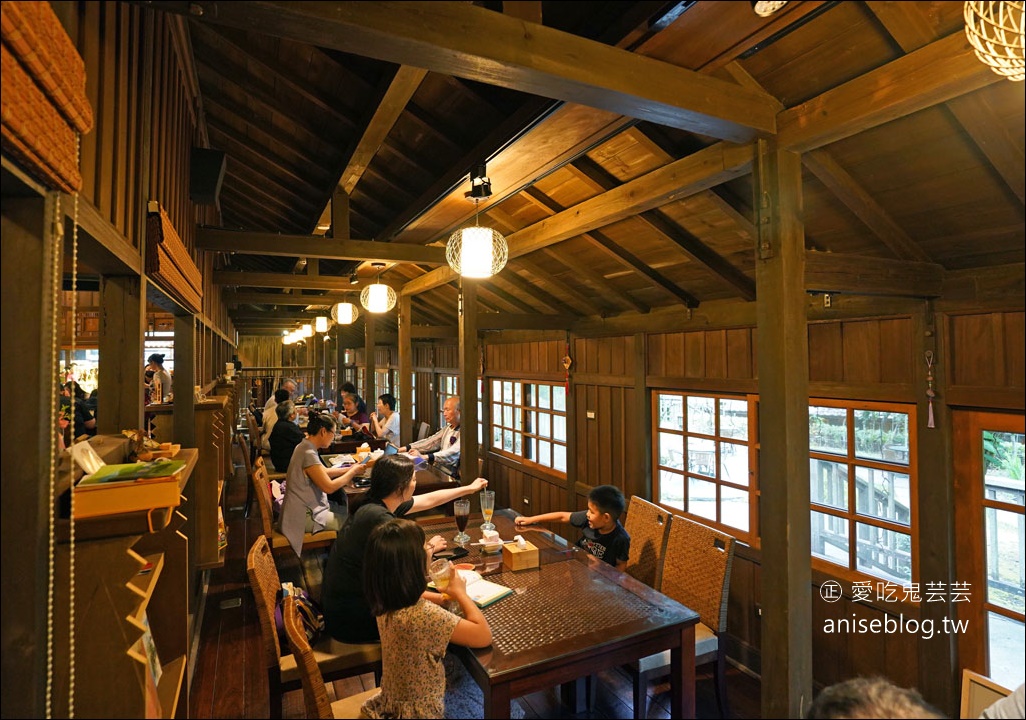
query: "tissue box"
517, 558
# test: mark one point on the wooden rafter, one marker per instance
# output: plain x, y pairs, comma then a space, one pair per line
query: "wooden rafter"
312, 246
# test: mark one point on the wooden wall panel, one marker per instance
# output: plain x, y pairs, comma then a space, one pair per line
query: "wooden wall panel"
860, 343
1014, 332
740, 354
826, 358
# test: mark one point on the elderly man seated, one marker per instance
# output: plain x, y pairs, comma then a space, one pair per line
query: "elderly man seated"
443, 448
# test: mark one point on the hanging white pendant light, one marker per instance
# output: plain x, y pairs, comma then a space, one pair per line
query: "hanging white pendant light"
996, 32
476, 251
307, 330
344, 313
321, 324
378, 298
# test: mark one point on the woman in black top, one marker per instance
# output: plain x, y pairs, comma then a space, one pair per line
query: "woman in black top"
347, 615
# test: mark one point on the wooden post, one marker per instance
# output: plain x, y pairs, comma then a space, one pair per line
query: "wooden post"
642, 482
469, 362
122, 331
368, 355
184, 380
783, 367
405, 370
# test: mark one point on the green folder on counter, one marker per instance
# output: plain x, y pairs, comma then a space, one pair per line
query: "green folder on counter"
137, 472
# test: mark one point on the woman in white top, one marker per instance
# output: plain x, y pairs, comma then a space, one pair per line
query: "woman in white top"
385, 422
155, 362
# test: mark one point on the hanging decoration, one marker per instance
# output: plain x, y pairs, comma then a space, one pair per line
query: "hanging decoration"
567, 362
930, 393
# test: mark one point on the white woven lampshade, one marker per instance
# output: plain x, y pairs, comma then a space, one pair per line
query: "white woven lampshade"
321, 324
476, 252
344, 313
997, 33
307, 330
378, 298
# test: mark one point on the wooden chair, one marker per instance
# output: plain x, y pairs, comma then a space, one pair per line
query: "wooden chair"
423, 431
978, 693
333, 660
648, 525
260, 481
315, 694
696, 573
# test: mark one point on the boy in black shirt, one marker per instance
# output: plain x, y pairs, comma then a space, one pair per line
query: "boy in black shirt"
602, 534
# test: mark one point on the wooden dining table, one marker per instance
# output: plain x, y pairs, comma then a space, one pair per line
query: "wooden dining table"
567, 619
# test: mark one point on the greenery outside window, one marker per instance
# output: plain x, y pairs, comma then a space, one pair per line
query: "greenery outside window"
704, 447
862, 487
529, 421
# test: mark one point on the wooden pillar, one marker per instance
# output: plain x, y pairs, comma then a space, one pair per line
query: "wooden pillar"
30, 389
642, 475
122, 332
368, 355
469, 363
184, 381
783, 370
938, 656
405, 369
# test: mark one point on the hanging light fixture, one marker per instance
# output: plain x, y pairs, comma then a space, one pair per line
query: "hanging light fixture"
997, 32
477, 252
321, 324
765, 8
344, 313
378, 298
307, 330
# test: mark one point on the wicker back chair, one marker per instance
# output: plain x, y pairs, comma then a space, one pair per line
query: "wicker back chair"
696, 573
648, 525
260, 481
315, 694
334, 660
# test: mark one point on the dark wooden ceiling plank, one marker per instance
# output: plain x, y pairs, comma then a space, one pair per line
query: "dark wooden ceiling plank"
516, 287
702, 170
861, 203
261, 192
239, 167
911, 29
858, 275
313, 246
234, 297
244, 203
264, 158
281, 280
936, 73
597, 282
484, 46
642, 268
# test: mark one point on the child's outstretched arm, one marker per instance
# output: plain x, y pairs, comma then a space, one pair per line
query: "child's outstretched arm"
523, 521
473, 630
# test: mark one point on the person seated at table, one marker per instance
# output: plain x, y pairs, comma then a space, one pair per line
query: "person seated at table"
161, 377
347, 615
75, 402
271, 418
443, 448
870, 698
602, 535
289, 385
414, 631
285, 435
354, 414
308, 484
385, 422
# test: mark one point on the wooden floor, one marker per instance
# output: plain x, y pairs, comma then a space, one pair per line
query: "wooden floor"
229, 680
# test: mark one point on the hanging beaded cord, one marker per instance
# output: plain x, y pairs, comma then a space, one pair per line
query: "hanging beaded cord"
930, 394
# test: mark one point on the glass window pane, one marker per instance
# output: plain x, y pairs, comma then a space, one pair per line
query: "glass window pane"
671, 412
518, 444
518, 419
828, 429
702, 415
734, 463
518, 389
1006, 644
734, 419
883, 494
543, 396
532, 422
496, 389
671, 450
702, 498
544, 424
507, 416
496, 437
828, 483
702, 456
1004, 461
507, 392
881, 436
528, 395
559, 398
830, 538
734, 507
884, 553
559, 457
544, 452
507, 440
559, 428
1004, 531
497, 413
671, 489
532, 448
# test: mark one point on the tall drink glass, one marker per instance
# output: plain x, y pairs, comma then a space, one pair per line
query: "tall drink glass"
461, 510
487, 508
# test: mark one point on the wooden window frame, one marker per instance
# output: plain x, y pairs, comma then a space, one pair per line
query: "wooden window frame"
526, 433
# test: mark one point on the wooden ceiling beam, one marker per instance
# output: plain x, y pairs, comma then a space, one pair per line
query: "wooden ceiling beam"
314, 246
232, 197
523, 285
234, 297
597, 282
280, 281
911, 29
934, 74
270, 160
712, 166
860, 275
282, 201
477, 44
829, 172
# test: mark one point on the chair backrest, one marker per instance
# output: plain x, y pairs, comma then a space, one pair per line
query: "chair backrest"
262, 490
648, 525
423, 431
696, 570
264, 582
978, 693
315, 695
244, 447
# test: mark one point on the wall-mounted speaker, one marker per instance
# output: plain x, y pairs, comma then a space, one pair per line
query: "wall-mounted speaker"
206, 173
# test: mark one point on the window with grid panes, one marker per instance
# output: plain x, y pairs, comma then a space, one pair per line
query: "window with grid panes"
862, 485
529, 421
704, 451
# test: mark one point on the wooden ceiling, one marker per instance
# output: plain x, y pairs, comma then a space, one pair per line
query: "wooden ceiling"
620, 139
